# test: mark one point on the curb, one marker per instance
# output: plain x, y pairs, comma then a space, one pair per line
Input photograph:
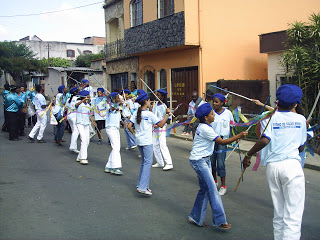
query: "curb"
306, 165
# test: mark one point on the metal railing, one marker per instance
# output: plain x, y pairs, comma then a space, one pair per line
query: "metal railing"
114, 50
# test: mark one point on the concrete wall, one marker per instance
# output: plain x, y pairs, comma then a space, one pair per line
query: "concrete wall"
114, 12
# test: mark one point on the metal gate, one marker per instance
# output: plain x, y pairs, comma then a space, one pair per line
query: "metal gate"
119, 81
183, 82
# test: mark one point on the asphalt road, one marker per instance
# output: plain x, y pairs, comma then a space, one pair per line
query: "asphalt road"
46, 194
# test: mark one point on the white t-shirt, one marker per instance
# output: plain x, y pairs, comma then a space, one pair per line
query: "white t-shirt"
221, 124
126, 111
71, 107
59, 105
144, 129
191, 110
286, 132
90, 90
203, 142
83, 114
113, 118
39, 101
100, 106
160, 111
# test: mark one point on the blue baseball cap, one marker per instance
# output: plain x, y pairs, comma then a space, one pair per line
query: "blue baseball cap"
203, 110
72, 90
140, 91
142, 97
61, 88
83, 93
113, 94
163, 92
100, 89
289, 94
219, 96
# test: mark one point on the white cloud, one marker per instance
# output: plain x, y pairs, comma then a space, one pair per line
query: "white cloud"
4, 33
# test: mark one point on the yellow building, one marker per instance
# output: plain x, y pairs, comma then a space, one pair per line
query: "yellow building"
184, 44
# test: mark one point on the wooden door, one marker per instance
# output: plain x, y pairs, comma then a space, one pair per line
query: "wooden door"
183, 82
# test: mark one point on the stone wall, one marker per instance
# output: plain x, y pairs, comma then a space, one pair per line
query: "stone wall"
162, 33
129, 65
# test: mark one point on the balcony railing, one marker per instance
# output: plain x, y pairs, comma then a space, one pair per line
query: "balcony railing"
114, 50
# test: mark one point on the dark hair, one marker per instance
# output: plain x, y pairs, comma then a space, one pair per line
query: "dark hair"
164, 100
289, 107
202, 120
73, 94
38, 88
7, 86
140, 109
300, 110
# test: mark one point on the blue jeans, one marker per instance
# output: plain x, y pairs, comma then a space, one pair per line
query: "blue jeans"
218, 160
59, 129
130, 138
147, 158
208, 191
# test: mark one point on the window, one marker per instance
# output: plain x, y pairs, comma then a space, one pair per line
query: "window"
136, 13
163, 79
70, 53
165, 8
85, 52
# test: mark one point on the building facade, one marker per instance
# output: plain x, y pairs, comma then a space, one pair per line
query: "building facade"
65, 50
185, 44
120, 68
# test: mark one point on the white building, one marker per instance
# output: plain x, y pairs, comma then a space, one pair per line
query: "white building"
66, 50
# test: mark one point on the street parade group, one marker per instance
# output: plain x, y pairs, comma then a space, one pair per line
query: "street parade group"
282, 137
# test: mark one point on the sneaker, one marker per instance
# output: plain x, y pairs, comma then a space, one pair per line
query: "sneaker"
31, 139
147, 192
78, 160
74, 150
99, 142
222, 191
133, 147
187, 134
58, 143
184, 133
62, 140
41, 141
168, 167
92, 134
157, 165
116, 171
107, 170
139, 156
84, 161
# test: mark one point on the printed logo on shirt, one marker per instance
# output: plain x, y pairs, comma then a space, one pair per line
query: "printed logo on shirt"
284, 125
146, 118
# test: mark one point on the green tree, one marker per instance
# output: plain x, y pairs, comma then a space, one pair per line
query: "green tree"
56, 62
302, 59
84, 60
18, 60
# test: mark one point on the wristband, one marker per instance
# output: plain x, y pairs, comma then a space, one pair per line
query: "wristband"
248, 155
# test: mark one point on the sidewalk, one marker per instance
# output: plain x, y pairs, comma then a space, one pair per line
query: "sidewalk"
245, 145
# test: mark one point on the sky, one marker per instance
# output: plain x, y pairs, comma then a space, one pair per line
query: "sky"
67, 26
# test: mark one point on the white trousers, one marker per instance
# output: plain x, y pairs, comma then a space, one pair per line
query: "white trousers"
85, 140
40, 125
75, 134
160, 148
114, 160
287, 187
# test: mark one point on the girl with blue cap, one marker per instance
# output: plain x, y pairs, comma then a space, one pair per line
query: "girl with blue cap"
99, 104
72, 117
127, 111
113, 118
221, 126
160, 148
58, 111
203, 146
284, 136
143, 121
82, 122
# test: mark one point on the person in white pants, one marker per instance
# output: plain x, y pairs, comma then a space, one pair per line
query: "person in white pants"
112, 125
40, 105
72, 117
160, 148
82, 123
284, 136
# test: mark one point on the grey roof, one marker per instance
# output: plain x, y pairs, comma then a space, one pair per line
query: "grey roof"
75, 69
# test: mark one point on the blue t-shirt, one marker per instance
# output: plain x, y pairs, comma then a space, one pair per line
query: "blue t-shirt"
203, 142
144, 129
13, 103
286, 131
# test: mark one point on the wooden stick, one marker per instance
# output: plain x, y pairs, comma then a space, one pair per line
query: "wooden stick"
233, 93
95, 124
314, 105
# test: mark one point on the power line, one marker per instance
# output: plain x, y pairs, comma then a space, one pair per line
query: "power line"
63, 10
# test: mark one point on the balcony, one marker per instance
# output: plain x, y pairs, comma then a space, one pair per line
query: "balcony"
114, 50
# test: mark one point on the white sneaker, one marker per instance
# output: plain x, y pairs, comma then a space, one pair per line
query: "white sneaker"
157, 165
78, 160
133, 147
147, 192
168, 167
84, 161
222, 191
92, 134
74, 150
107, 170
184, 133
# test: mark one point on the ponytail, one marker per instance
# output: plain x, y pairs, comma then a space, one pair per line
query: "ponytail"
139, 115
140, 109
